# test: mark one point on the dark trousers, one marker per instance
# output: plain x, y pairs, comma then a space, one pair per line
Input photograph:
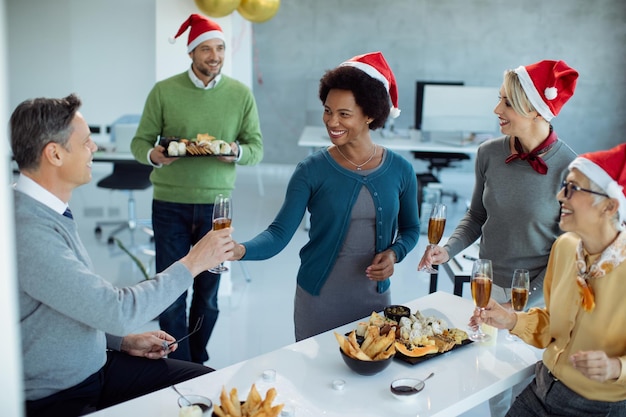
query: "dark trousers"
177, 227
548, 397
122, 378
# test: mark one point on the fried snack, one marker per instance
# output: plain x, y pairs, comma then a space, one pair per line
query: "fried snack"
375, 346
380, 344
371, 334
204, 137
254, 406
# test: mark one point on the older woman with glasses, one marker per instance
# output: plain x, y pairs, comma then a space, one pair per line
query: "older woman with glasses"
583, 371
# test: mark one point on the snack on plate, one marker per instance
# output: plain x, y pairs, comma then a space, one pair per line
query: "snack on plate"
416, 335
422, 335
254, 406
375, 346
204, 137
204, 144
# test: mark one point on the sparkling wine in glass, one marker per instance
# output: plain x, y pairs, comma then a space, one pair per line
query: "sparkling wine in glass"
481, 282
436, 225
222, 218
520, 290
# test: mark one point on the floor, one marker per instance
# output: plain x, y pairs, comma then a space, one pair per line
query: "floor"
256, 300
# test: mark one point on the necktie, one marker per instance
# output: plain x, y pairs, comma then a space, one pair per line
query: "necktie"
68, 213
533, 158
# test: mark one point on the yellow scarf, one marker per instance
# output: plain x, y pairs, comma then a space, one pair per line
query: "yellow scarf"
611, 257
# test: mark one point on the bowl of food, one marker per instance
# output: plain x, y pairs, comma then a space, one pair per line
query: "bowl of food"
366, 367
194, 406
396, 312
405, 389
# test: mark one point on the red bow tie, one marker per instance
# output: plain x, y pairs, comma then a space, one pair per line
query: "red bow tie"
535, 161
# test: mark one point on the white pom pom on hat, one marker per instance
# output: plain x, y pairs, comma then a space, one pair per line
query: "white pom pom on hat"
548, 85
375, 65
202, 29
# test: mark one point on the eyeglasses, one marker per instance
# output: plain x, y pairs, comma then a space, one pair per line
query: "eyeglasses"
167, 346
569, 188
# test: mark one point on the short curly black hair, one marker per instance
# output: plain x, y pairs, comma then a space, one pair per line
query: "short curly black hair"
369, 93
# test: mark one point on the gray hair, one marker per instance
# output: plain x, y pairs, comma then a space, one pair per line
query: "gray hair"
619, 226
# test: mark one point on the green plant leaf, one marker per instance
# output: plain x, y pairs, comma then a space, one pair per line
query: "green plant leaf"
136, 260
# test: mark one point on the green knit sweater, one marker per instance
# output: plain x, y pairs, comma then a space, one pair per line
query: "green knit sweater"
175, 107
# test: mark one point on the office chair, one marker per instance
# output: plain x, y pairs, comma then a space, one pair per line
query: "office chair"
127, 176
436, 162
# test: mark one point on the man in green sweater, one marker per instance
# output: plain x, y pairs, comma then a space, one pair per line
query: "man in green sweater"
202, 101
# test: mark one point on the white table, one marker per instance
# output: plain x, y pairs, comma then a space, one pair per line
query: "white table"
315, 137
464, 378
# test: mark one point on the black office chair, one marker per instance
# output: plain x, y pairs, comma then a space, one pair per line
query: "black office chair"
436, 162
127, 176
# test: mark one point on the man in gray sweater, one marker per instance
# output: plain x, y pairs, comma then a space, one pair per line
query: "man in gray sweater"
78, 353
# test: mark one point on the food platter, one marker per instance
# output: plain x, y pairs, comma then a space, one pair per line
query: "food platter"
193, 149
419, 359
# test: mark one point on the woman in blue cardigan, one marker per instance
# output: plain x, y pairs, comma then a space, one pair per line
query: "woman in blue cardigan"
362, 199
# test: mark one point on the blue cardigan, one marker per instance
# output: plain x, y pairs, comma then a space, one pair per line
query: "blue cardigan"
329, 192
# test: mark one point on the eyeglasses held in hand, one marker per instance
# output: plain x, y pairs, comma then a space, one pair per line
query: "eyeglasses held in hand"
569, 188
167, 346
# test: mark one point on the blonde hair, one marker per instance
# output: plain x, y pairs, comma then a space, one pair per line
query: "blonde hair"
516, 95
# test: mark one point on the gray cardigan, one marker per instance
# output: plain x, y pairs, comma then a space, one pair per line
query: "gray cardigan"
515, 213
66, 309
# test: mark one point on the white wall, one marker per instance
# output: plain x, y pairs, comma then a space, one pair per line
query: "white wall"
109, 52
11, 392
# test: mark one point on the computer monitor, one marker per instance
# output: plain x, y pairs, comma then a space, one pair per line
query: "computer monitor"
419, 98
450, 108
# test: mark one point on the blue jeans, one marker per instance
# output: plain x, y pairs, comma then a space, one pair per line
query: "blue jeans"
549, 397
177, 227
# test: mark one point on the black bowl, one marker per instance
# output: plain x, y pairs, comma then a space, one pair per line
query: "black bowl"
366, 367
396, 312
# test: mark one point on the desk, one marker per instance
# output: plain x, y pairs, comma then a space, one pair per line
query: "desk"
315, 137
115, 157
464, 378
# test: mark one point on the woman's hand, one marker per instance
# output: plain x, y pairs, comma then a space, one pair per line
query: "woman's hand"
596, 365
433, 256
382, 266
494, 315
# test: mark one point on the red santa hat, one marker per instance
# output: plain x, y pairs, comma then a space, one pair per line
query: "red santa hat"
608, 170
548, 85
375, 65
202, 29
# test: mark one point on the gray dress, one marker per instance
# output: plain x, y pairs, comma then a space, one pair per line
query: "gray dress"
347, 294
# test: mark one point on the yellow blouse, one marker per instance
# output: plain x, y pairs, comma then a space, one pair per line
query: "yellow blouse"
564, 328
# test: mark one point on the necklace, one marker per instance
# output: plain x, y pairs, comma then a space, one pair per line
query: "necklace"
359, 167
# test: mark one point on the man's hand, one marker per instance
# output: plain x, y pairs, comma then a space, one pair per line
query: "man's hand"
213, 249
234, 147
148, 345
157, 156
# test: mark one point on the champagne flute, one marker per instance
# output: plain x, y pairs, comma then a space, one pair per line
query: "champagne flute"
222, 218
436, 225
520, 290
481, 281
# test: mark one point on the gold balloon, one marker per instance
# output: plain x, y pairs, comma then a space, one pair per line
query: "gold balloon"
258, 11
217, 8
